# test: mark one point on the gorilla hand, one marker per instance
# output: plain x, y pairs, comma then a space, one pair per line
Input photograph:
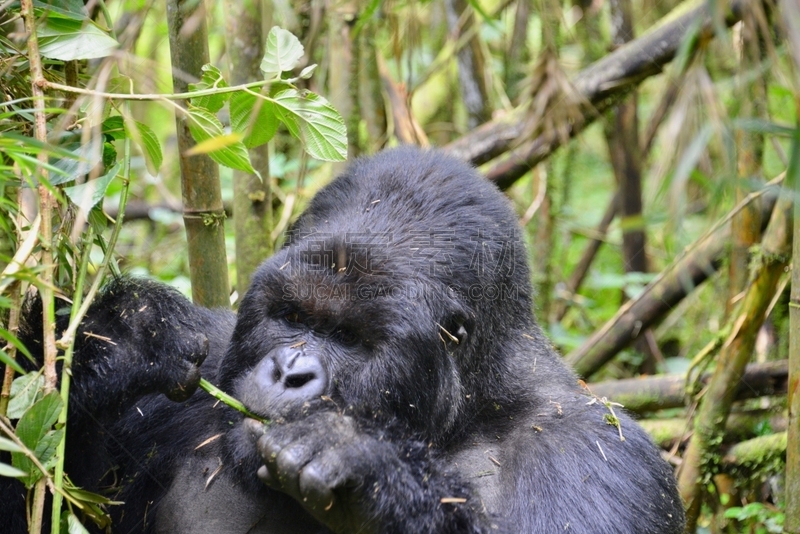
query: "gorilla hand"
352, 481
141, 337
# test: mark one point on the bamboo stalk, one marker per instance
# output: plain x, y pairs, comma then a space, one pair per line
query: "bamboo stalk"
46, 204
700, 460
203, 213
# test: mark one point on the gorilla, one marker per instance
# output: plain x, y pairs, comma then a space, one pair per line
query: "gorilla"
392, 347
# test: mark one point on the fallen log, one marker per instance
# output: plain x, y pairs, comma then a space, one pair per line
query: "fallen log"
641, 395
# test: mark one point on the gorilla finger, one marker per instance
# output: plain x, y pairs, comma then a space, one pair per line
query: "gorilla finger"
285, 466
185, 386
266, 477
316, 490
200, 349
255, 429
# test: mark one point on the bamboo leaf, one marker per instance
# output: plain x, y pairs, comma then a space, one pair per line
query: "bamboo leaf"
6, 360
8, 445
215, 143
8, 471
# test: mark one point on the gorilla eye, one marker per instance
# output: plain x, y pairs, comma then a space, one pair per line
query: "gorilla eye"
293, 318
345, 336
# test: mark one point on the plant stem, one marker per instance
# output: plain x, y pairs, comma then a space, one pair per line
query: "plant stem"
46, 203
221, 396
156, 96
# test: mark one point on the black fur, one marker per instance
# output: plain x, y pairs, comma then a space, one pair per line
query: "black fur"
392, 343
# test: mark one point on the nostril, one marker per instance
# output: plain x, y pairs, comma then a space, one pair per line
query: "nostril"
298, 380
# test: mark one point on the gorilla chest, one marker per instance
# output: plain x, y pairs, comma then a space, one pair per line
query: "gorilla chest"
192, 506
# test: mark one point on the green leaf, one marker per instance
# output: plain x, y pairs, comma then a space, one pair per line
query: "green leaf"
34, 431
114, 127
211, 79
118, 128
204, 126
283, 52
6, 360
72, 9
312, 120
8, 445
255, 118
36, 421
89, 194
68, 39
24, 393
148, 143
8, 471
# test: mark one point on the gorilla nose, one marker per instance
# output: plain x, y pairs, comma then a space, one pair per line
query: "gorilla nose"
292, 373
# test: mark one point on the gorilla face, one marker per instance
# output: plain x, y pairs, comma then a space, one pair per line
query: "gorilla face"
318, 334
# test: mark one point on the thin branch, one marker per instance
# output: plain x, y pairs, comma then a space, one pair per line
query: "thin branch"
155, 96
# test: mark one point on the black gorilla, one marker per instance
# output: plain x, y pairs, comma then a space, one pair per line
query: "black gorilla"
392, 344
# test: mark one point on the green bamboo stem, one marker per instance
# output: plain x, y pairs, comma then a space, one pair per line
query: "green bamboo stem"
236, 404
203, 213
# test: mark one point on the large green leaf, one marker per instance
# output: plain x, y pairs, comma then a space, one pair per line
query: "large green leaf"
211, 79
312, 120
68, 39
282, 53
253, 117
204, 126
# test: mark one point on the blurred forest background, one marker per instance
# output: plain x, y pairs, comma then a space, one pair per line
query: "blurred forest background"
649, 146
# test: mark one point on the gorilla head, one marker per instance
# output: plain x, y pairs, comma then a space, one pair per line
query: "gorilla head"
388, 296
